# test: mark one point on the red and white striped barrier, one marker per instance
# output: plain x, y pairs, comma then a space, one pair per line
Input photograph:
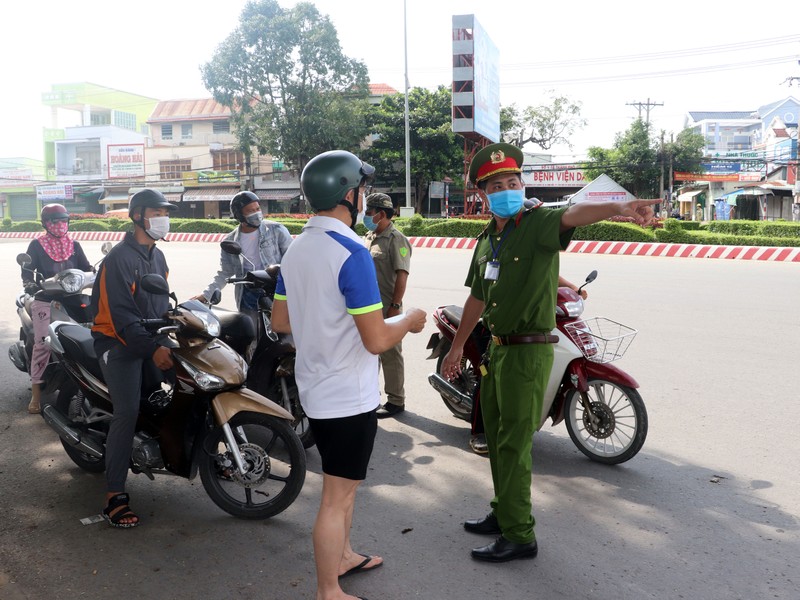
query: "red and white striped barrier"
766, 253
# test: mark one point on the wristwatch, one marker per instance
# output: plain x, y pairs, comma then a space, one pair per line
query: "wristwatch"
396, 305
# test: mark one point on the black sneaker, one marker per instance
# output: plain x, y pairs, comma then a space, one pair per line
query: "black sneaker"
389, 410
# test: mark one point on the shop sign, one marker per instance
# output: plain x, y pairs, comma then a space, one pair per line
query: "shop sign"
125, 161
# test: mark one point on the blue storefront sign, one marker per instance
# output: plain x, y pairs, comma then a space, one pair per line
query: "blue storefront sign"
721, 167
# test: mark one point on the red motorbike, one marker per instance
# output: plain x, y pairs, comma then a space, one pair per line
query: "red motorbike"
603, 411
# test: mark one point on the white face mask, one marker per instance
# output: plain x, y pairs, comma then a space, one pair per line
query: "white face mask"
159, 227
360, 216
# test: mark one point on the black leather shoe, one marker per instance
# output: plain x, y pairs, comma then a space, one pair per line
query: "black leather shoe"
389, 410
501, 550
486, 526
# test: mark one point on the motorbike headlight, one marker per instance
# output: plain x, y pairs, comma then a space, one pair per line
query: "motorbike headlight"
71, 281
206, 381
210, 322
575, 308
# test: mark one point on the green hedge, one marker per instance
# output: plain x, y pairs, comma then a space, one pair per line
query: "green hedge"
720, 239
202, 226
90, 225
619, 232
778, 229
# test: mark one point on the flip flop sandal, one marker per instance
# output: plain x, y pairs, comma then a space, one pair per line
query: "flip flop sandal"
120, 501
361, 567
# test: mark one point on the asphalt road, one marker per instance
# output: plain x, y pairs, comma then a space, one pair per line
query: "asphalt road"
708, 509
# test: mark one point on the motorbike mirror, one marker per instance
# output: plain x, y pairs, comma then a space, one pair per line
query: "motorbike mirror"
591, 277
106, 248
231, 247
155, 284
216, 296
24, 259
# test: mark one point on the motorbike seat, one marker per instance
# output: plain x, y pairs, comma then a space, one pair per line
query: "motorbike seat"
453, 314
236, 329
79, 344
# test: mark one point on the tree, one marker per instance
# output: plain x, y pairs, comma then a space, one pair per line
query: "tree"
436, 152
291, 90
545, 125
632, 162
635, 161
686, 152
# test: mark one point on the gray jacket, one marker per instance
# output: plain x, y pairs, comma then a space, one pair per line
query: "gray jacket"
273, 240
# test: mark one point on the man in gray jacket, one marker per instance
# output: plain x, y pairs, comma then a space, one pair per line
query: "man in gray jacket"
263, 243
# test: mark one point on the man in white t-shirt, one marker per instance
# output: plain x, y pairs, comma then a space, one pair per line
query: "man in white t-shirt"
327, 297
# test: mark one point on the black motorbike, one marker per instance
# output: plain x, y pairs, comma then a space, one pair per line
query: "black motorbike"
271, 362
198, 420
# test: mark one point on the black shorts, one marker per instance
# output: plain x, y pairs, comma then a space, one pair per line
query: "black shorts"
345, 444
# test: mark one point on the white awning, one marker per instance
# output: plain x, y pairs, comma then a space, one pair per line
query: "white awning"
689, 196
210, 194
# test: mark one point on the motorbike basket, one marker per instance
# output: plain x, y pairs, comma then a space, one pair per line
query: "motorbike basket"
601, 340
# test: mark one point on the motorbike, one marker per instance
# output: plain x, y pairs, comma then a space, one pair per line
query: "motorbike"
200, 419
69, 302
271, 363
604, 413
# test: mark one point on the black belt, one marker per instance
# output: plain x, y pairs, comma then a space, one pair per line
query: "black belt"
529, 338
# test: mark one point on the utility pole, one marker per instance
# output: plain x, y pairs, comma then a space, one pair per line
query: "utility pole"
646, 106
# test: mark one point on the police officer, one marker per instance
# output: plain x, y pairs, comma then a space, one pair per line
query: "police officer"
513, 278
122, 344
391, 252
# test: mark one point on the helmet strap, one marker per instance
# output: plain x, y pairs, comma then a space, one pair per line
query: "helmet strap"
353, 211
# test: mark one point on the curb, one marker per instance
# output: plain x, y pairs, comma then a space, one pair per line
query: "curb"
763, 253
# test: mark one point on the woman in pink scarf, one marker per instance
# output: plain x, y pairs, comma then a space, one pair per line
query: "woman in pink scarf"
50, 252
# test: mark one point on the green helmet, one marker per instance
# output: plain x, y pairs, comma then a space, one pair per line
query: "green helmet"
328, 177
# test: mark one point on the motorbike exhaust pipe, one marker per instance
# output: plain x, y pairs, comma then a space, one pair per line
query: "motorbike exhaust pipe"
445, 388
70, 435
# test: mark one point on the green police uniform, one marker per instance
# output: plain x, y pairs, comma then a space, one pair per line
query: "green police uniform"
391, 252
520, 301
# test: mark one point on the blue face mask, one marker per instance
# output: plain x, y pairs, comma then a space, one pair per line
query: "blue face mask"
369, 223
507, 203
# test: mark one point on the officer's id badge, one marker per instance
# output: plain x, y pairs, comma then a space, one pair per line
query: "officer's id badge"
403, 252
492, 270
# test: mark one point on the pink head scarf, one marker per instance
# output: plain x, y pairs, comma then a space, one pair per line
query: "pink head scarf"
56, 241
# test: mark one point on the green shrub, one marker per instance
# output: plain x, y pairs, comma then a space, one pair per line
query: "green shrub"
201, 226
733, 227
619, 232
296, 227
689, 225
90, 225
721, 239
783, 229
461, 228
7, 223
414, 226
27, 226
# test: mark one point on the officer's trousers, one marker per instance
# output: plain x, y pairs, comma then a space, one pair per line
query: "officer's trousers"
394, 376
511, 400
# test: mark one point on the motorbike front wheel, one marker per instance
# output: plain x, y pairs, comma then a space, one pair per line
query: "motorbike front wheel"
276, 464
620, 427
466, 383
